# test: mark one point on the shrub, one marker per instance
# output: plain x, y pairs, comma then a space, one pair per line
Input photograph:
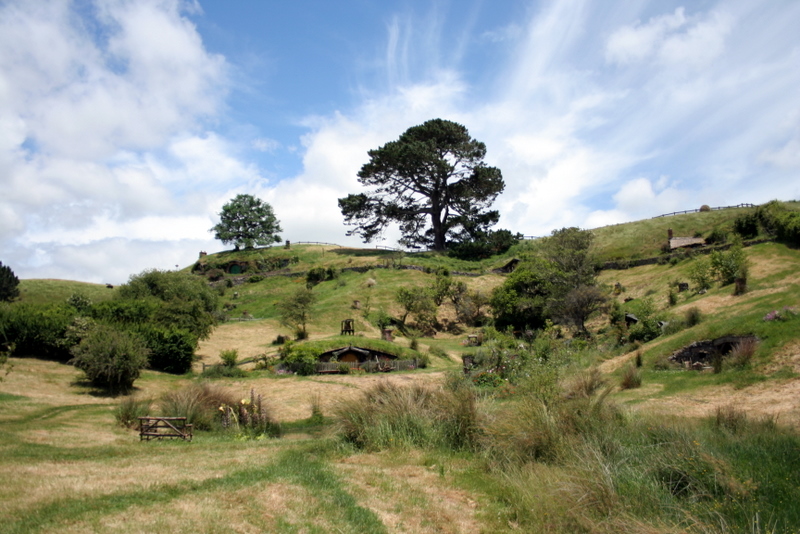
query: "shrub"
229, 357
487, 379
221, 371
216, 274
256, 278
693, 316
250, 417
299, 359
315, 275
81, 303
631, 378
171, 349
37, 330
729, 265
746, 225
8, 283
110, 358
700, 273
423, 360
705, 207
717, 236
672, 296
344, 368
130, 409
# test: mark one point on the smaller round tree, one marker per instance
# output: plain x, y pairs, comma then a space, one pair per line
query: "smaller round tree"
112, 359
247, 221
8, 283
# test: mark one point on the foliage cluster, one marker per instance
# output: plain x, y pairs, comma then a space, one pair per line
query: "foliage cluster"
159, 314
111, 359
247, 221
556, 282
9, 283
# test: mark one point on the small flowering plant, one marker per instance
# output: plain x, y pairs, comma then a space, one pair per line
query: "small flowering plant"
785, 314
249, 417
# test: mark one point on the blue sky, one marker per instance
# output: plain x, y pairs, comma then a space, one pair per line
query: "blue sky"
126, 125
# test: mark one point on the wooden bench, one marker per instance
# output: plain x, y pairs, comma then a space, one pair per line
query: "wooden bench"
164, 427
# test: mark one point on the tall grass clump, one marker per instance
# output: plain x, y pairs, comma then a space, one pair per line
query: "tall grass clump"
199, 404
392, 416
130, 409
631, 378
742, 353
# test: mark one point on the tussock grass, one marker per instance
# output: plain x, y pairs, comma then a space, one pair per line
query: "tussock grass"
392, 416
129, 410
198, 403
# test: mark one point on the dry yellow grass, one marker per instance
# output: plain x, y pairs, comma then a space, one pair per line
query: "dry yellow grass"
410, 497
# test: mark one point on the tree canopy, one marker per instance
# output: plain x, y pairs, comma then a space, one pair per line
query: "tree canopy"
432, 181
247, 221
556, 282
8, 283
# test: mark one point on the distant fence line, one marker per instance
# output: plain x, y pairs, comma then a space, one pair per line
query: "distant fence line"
745, 205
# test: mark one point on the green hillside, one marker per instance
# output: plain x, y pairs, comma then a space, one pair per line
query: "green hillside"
556, 431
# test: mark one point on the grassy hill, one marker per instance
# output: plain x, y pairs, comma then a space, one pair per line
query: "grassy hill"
685, 451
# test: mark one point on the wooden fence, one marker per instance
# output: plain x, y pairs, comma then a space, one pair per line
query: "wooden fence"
710, 209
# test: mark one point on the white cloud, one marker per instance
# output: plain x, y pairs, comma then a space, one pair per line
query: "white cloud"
98, 126
636, 42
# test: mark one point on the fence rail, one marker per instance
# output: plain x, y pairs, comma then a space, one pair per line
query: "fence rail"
745, 205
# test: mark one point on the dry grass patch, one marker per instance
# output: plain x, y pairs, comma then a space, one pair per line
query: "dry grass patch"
409, 497
776, 399
249, 338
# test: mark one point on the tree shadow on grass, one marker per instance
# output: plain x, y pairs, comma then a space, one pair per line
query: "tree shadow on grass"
86, 387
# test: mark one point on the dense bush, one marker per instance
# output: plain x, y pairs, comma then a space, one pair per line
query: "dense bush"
37, 330
8, 283
729, 265
746, 225
700, 273
111, 359
484, 245
299, 359
171, 349
717, 236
